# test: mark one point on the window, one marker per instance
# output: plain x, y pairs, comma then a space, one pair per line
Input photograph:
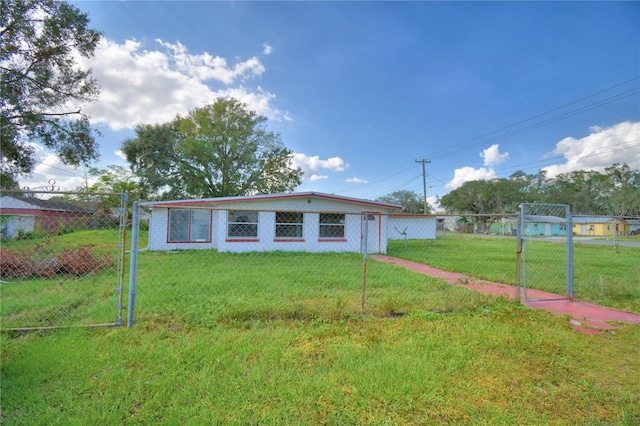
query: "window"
289, 224
186, 225
331, 225
242, 224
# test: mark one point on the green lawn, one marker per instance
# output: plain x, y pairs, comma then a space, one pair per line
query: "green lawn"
605, 274
278, 339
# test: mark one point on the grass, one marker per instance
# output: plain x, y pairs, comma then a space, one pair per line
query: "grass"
65, 299
278, 338
605, 274
500, 365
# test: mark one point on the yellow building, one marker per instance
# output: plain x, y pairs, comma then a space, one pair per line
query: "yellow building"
600, 226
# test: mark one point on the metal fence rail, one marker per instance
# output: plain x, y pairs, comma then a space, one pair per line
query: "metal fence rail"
62, 259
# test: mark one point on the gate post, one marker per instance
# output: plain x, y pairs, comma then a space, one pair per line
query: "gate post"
135, 225
519, 251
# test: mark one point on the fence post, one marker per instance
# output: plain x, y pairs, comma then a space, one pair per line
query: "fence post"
569, 254
122, 258
365, 244
135, 225
519, 251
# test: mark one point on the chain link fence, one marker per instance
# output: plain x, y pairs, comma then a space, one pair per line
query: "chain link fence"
239, 262
545, 250
236, 263
308, 259
606, 250
62, 259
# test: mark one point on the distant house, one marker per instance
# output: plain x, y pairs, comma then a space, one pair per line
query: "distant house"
544, 225
600, 226
306, 221
27, 214
634, 226
505, 225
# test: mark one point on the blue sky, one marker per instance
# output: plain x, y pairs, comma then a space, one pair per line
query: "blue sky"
360, 90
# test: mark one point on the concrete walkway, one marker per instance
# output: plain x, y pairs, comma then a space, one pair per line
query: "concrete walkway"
586, 317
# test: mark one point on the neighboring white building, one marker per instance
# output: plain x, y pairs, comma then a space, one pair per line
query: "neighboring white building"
306, 221
412, 227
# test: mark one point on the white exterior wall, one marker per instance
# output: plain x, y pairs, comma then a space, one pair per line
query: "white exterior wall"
12, 224
417, 228
310, 241
266, 241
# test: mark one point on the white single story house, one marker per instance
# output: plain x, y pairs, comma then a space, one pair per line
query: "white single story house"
412, 226
304, 221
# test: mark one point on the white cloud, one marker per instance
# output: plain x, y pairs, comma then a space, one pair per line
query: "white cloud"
467, 174
357, 180
206, 66
311, 165
267, 49
140, 85
50, 174
492, 155
600, 149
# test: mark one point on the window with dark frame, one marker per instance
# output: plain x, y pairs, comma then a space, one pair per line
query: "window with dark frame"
332, 225
242, 224
189, 226
289, 224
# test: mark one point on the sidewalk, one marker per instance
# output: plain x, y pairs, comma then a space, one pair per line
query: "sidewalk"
586, 317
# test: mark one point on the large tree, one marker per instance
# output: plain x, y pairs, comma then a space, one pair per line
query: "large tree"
151, 155
43, 86
409, 200
222, 149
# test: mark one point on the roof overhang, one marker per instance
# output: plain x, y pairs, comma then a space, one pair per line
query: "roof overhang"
220, 202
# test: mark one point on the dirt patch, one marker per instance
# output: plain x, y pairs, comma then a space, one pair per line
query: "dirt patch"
27, 263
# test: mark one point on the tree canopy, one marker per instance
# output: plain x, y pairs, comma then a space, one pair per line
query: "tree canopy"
43, 86
409, 200
221, 149
615, 192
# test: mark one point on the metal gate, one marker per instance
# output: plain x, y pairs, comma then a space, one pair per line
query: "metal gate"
62, 259
545, 251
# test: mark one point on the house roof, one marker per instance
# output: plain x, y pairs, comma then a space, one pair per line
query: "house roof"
41, 204
544, 218
597, 220
221, 201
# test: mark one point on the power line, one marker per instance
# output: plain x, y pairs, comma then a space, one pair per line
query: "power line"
456, 148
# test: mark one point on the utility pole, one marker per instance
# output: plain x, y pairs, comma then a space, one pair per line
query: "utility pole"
424, 181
